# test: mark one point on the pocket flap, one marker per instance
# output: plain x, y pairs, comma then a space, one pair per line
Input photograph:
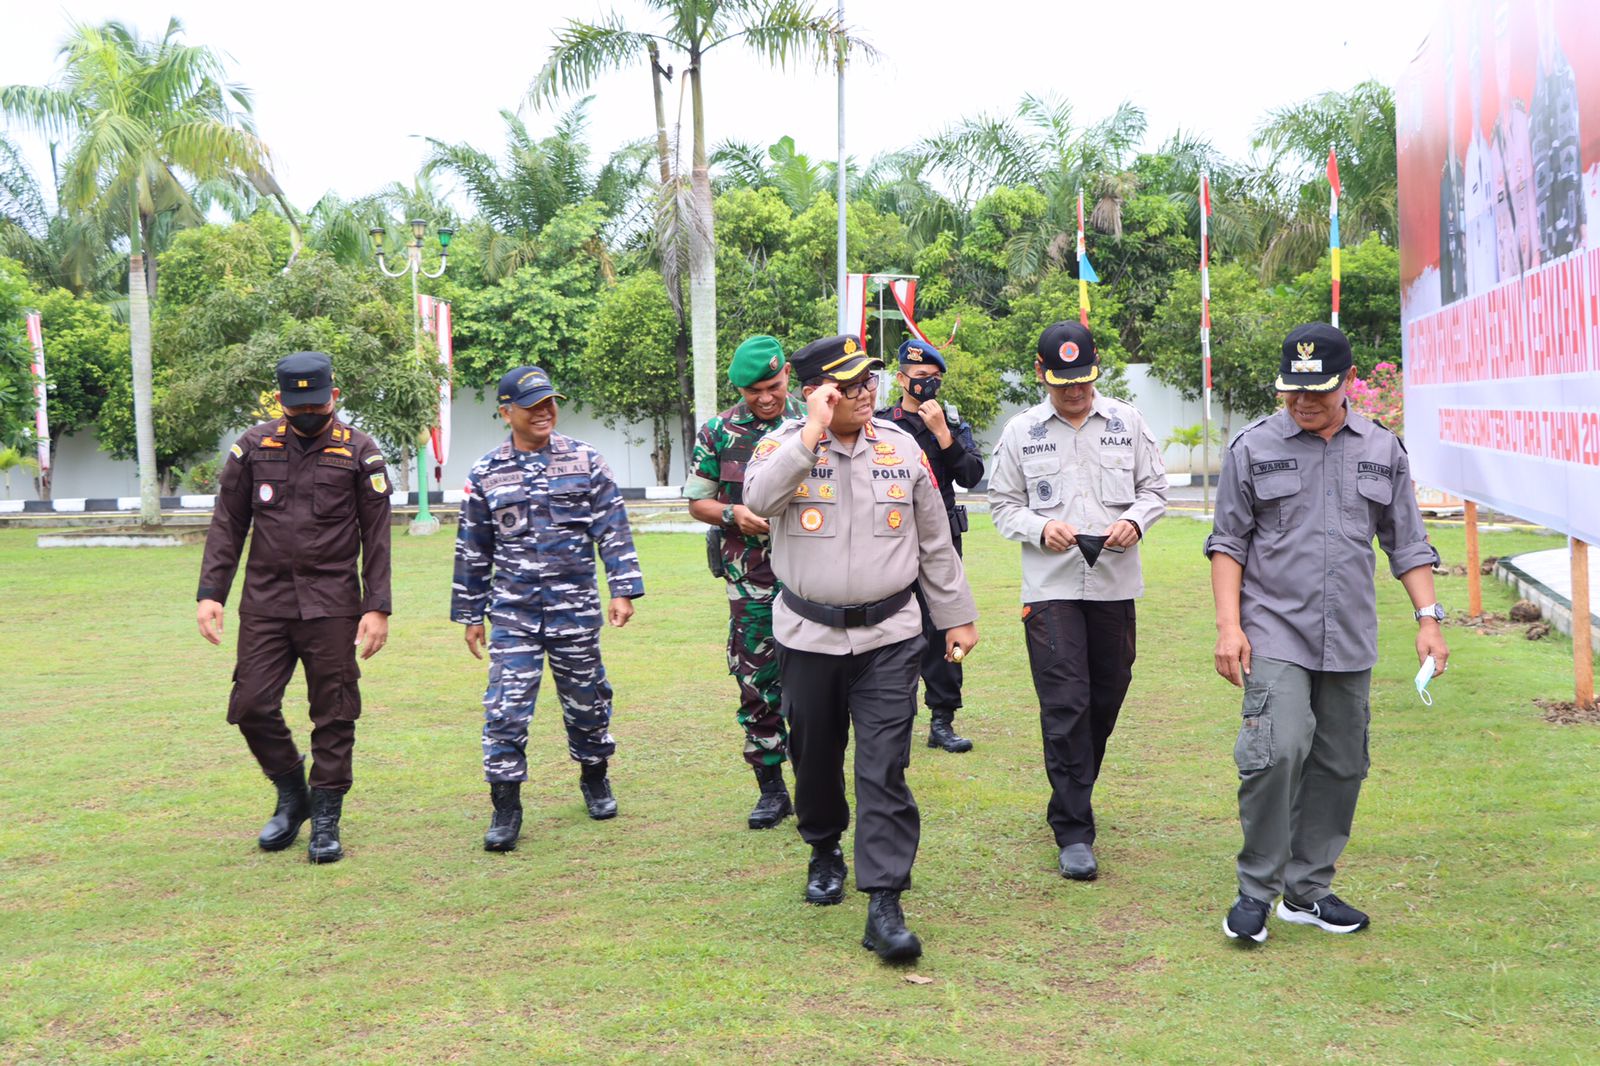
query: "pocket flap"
1377, 489
1036, 467
1117, 460
1277, 486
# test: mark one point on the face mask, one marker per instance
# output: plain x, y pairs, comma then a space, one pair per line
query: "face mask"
1425, 675
310, 424
924, 388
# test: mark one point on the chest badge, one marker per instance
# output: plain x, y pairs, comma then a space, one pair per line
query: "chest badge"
887, 459
380, 484
883, 447
811, 519
265, 492
896, 492
895, 518
1044, 491
1038, 431
766, 447
803, 491
824, 490
1115, 425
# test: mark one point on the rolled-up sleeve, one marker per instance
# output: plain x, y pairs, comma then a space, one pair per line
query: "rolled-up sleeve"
1008, 495
1233, 516
1401, 534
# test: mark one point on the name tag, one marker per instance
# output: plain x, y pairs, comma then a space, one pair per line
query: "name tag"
500, 481
1375, 470
1273, 466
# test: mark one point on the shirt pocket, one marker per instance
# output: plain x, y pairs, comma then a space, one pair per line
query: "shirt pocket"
1116, 478
332, 492
510, 510
1280, 492
269, 484
891, 520
1044, 482
570, 504
1373, 496
805, 518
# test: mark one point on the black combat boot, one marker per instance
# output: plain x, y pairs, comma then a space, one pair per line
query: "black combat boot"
597, 792
773, 806
294, 807
942, 732
886, 929
326, 806
507, 820
825, 875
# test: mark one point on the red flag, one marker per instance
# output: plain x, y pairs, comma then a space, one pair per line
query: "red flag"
1333, 172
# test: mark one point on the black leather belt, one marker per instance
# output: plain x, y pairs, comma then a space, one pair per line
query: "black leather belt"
848, 616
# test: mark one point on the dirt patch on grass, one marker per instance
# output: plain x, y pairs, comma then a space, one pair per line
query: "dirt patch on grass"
1566, 712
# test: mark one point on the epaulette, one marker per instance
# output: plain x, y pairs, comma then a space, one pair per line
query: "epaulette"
559, 444
504, 451
283, 428
1391, 432
1237, 437
340, 434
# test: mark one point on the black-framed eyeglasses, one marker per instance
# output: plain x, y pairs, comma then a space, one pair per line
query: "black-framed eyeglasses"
856, 388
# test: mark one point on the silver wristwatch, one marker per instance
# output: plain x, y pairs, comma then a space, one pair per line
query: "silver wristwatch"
1433, 610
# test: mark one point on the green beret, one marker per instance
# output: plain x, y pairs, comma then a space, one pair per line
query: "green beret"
757, 359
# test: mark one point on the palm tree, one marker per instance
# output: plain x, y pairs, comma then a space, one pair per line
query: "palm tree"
140, 117
1359, 126
1041, 146
538, 179
777, 30
59, 250
796, 178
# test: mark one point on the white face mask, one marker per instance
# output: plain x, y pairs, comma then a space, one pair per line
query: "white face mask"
1425, 675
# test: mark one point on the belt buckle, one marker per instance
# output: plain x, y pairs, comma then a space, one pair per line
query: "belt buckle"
855, 615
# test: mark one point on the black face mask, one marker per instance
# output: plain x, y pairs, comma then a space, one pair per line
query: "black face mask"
924, 388
310, 423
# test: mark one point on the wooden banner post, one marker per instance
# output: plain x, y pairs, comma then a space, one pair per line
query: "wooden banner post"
1582, 648
1474, 574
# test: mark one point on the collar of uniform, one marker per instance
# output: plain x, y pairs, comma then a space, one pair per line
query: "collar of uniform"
1102, 405
1356, 423
741, 414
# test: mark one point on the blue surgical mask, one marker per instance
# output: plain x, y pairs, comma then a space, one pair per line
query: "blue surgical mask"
1425, 675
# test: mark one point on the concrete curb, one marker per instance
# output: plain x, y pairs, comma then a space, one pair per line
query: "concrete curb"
1553, 607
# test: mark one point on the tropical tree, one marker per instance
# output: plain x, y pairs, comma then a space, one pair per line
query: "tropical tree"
13, 459
777, 30
140, 117
627, 368
1359, 126
59, 250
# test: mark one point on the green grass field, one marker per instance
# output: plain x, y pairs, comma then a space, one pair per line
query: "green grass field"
139, 923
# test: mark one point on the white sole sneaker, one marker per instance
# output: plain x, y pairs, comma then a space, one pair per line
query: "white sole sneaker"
1257, 937
1310, 918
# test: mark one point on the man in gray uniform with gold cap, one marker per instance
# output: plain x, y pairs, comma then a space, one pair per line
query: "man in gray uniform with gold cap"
1301, 495
856, 522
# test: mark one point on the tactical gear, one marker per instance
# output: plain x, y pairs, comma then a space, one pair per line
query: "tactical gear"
506, 822
942, 733
326, 807
886, 929
294, 807
825, 875
773, 806
596, 791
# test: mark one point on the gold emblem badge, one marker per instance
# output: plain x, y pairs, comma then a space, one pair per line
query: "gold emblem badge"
825, 490
766, 447
302, 384
887, 460
883, 448
850, 346
772, 364
337, 451
896, 492
811, 519
895, 518
913, 355
803, 491
1306, 349
380, 484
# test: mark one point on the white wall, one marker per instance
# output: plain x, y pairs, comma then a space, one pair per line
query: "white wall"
81, 469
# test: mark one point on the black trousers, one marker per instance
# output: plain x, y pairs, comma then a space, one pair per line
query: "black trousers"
269, 648
877, 691
1081, 653
941, 680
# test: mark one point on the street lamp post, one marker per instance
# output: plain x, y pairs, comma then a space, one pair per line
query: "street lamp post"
424, 523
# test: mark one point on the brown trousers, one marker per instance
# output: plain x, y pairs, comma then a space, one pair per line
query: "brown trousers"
268, 651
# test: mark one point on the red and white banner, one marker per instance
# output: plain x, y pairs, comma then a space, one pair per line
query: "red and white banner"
436, 323
41, 415
904, 291
1498, 121
855, 305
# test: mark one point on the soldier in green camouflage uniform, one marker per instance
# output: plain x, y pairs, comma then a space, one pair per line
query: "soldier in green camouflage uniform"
715, 490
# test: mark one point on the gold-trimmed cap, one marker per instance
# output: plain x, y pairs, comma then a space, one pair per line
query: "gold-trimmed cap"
840, 358
1068, 354
1316, 358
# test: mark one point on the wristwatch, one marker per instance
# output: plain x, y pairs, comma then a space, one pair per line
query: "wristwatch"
727, 515
1433, 611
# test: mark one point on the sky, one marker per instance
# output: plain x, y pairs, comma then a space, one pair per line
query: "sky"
346, 92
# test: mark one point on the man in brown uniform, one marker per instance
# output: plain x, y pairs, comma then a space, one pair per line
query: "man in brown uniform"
317, 494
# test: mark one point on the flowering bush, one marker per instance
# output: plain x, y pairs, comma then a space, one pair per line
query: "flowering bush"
1381, 397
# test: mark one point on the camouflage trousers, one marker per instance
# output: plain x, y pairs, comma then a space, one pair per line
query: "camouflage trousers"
753, 662
516, 664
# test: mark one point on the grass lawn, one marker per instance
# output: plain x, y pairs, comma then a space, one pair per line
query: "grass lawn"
139, 923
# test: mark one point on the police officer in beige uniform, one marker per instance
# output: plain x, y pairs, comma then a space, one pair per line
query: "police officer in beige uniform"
1301, 495
1079, 481
856, 522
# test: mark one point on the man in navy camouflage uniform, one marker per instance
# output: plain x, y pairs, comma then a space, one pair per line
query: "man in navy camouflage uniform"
535, 509
715, 489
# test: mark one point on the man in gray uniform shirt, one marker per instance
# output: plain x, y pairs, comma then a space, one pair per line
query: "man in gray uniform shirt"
1070, 473
856, 522
1302, 493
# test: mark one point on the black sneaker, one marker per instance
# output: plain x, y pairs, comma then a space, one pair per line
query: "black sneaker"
1247, 919
1330, 914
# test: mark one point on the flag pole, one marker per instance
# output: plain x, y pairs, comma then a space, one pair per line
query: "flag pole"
1333, 228
1083, 283
843, 325
1205, 342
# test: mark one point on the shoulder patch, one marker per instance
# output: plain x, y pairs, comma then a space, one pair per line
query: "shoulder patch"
375, 457
238, 452
768, 445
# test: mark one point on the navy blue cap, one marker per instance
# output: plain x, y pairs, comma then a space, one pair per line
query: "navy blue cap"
526, 386
919, 353
1315, 358
840, 358
305, 379
1067, 352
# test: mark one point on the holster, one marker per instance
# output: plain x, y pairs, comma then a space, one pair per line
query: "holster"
958, 520
714, 560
